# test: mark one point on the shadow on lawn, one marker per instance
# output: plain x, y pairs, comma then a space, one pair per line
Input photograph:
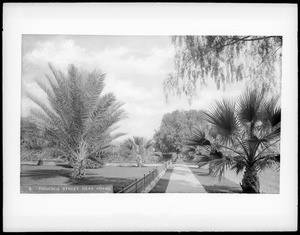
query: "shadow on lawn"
221, 189
46, 173
213, 185
202, 173
64, 165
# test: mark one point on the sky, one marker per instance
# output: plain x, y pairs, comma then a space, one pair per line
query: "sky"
135, 68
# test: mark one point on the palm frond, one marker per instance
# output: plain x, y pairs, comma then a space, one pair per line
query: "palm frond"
268, 148
50, 126
222, 117
239, 164
59, 99
219, 166
272, 111
139, 141
271, 121
93, 87
139, 147
249, 106
148, 144
197, 138
268, 162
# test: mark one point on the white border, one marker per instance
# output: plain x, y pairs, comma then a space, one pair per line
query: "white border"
149, 212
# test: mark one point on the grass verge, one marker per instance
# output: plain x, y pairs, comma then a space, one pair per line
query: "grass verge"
59, 175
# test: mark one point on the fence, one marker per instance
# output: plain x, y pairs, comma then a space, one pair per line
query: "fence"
139, 185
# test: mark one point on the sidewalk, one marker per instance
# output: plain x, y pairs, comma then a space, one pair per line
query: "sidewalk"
183, 180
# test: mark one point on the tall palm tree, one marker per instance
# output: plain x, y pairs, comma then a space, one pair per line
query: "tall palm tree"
245, 137
78, 121
140, 148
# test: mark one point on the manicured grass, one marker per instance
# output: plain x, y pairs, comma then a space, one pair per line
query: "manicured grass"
59, 175
269, 181
214, 185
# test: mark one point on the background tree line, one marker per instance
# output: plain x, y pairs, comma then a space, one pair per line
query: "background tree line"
175, 128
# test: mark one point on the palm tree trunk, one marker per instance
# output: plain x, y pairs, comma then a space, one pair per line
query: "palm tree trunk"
250, 181
139, 161
40, 162
80, 161
78, 170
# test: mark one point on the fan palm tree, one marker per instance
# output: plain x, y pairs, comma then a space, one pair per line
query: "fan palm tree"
78, 122
245, 137
140, 148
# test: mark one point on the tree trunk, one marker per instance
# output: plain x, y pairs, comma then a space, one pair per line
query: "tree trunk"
80, 161
78, 170
139, 161
250, 181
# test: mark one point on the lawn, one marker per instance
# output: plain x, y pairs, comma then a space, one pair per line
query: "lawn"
269, 181
214, 185
59, 175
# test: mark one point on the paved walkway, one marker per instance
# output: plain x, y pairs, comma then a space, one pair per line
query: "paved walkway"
183, 180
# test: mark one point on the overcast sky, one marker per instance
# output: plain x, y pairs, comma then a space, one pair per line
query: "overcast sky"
135, 68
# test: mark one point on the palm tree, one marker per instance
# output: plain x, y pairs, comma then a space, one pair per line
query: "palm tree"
78, 122
140, 148
246, 137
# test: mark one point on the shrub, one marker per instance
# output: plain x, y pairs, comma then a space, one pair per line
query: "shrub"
167, 156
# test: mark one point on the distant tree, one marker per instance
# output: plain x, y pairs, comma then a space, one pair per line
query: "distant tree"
246, 137
79, 122
138, 148
29, 134
225, 60
31, 144
175, 127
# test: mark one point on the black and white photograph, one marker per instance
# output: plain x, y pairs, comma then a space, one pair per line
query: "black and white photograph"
154, 114
144, 120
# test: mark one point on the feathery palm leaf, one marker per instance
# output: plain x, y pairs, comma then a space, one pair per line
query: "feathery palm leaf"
249, 104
